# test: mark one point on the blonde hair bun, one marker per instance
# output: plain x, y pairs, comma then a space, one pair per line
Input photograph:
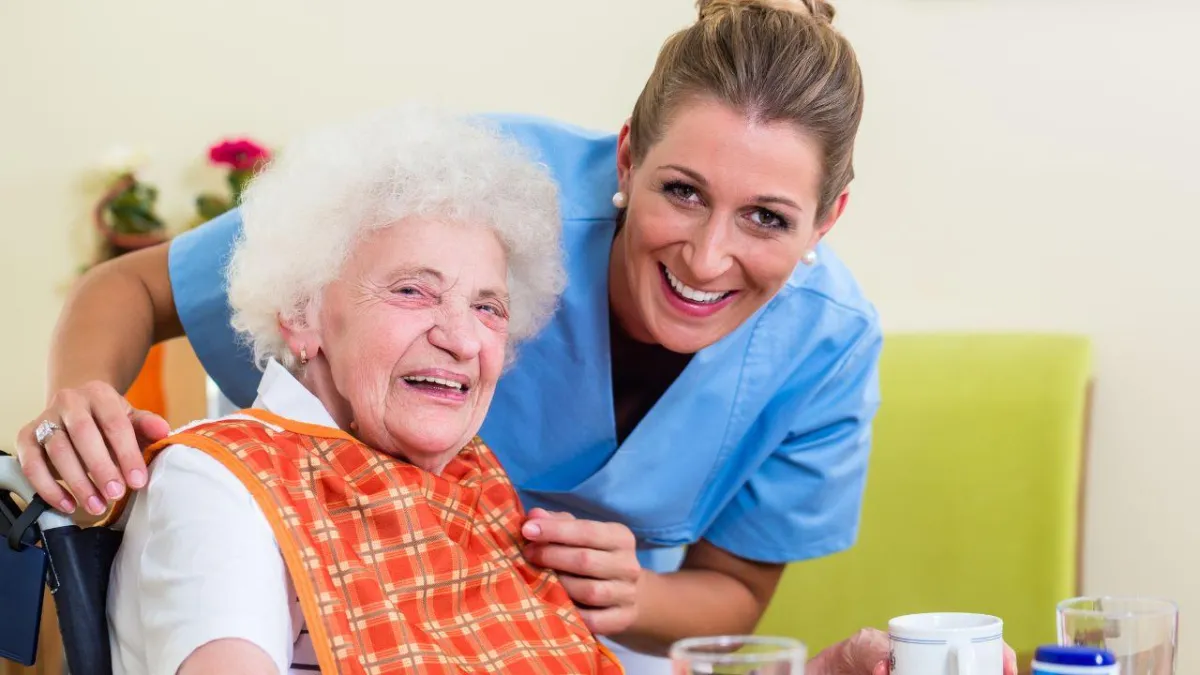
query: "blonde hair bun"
821, 9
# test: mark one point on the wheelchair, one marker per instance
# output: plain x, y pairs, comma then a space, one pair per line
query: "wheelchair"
78, 563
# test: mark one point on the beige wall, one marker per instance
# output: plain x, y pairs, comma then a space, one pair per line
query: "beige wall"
78, 78
1046, 186
1053, 186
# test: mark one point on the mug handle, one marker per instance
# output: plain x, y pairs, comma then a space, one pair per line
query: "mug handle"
964, 657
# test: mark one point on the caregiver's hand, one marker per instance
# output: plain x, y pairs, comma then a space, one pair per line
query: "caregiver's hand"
97, 452
867, 653
597, 563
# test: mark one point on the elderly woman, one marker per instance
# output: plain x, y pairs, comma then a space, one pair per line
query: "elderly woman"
350, 520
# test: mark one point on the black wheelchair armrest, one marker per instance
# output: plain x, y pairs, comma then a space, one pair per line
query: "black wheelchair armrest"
80, 559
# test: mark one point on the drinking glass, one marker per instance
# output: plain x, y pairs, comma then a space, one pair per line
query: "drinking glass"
1140, 632
738, 655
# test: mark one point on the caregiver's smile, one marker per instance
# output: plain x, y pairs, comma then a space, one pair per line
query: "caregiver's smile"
720, 211
690, 300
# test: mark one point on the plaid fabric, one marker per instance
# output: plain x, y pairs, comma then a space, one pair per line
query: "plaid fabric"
399, 570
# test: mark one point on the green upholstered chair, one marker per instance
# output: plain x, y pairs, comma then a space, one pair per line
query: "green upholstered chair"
973, 494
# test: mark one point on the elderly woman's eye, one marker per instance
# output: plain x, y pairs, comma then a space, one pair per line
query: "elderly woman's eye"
493, 309
410, 291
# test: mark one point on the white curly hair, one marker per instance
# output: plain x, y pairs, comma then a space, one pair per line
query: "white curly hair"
302, 215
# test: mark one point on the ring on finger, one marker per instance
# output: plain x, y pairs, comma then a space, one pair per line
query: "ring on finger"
44, 431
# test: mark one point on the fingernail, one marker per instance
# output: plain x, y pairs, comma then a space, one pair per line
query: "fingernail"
95, 506
137, 478
531, 530
114, 489
66, 506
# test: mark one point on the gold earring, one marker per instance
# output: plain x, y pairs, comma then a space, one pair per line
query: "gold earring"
303, 356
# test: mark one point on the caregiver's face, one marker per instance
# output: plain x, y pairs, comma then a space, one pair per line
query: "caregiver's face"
721, 210
414, 331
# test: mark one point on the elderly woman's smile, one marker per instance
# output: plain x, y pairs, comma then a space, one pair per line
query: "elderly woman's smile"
439, 383
411, 337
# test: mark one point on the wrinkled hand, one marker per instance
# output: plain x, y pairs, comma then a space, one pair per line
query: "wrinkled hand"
865, 653
868, 653
597, 563
100, 431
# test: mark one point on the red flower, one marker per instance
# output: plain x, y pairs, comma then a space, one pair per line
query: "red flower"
239, 155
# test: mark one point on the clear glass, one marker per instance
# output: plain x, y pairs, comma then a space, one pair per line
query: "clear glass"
1140, 632
738, 655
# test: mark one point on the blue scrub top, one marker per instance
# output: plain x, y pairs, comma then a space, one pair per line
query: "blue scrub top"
759, 447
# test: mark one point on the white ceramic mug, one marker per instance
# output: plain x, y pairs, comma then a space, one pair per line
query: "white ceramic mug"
947, 644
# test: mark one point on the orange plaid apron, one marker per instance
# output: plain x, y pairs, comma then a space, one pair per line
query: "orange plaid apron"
399, 570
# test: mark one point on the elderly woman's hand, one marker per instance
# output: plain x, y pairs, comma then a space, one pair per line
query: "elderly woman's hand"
597, 563
868, 653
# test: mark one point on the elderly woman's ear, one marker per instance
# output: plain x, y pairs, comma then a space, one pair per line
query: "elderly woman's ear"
304, 342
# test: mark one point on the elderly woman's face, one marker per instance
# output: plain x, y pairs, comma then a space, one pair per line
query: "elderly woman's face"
414, 333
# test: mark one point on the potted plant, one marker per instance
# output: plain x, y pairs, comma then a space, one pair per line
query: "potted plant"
241, 158
127, 220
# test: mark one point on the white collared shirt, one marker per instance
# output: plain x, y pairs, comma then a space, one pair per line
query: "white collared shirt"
199, 561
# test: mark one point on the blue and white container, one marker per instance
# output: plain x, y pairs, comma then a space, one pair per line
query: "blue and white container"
1055, 660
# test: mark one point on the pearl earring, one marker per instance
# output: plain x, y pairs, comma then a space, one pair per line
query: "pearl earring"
620, 200
809, 258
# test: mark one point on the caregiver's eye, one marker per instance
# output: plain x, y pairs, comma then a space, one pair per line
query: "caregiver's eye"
769, 219
681, 192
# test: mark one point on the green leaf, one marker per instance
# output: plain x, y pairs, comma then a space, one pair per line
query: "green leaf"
211, 206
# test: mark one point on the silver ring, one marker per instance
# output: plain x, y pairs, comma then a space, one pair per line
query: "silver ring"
44, 431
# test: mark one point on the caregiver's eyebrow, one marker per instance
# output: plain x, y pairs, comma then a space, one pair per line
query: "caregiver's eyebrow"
687, 172
761, 199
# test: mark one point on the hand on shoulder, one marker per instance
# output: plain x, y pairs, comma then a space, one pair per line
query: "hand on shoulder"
93, 440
